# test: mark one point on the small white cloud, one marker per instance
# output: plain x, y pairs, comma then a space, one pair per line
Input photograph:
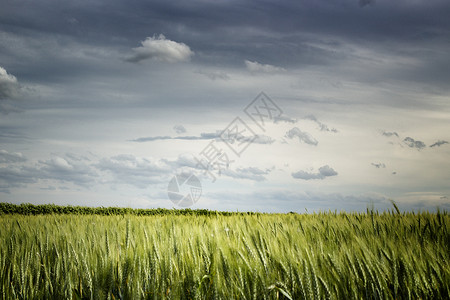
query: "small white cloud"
162, 49
256, 67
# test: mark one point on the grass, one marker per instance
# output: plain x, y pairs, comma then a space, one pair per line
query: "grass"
262, 256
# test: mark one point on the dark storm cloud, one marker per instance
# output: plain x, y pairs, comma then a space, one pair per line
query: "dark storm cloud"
439, 143
224, 32
325, 171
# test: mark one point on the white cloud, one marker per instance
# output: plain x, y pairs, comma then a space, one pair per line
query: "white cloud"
162, 49
256, 67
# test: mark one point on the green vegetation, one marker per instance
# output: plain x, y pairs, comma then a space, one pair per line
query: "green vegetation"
45, 209
238, 256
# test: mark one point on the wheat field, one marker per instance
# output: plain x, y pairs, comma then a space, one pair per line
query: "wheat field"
260, 256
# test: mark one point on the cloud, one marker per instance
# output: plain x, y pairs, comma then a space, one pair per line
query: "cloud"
12, 176
136, 171
9, 87
6, 157
214, 75
179, 129
256, 139
284, 118
9, 90
203, 136
65, 169
410, 142
322, 126
439, 143
389, 134
378, 165
363, 3
255, 67
182, 161
325, 171
250, 173
161, 49
302, 136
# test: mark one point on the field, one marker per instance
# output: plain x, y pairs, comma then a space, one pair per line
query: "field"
371, 255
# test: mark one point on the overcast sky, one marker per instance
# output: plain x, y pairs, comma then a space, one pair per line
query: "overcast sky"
103, 102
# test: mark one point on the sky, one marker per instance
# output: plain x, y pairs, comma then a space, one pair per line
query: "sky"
270, 106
